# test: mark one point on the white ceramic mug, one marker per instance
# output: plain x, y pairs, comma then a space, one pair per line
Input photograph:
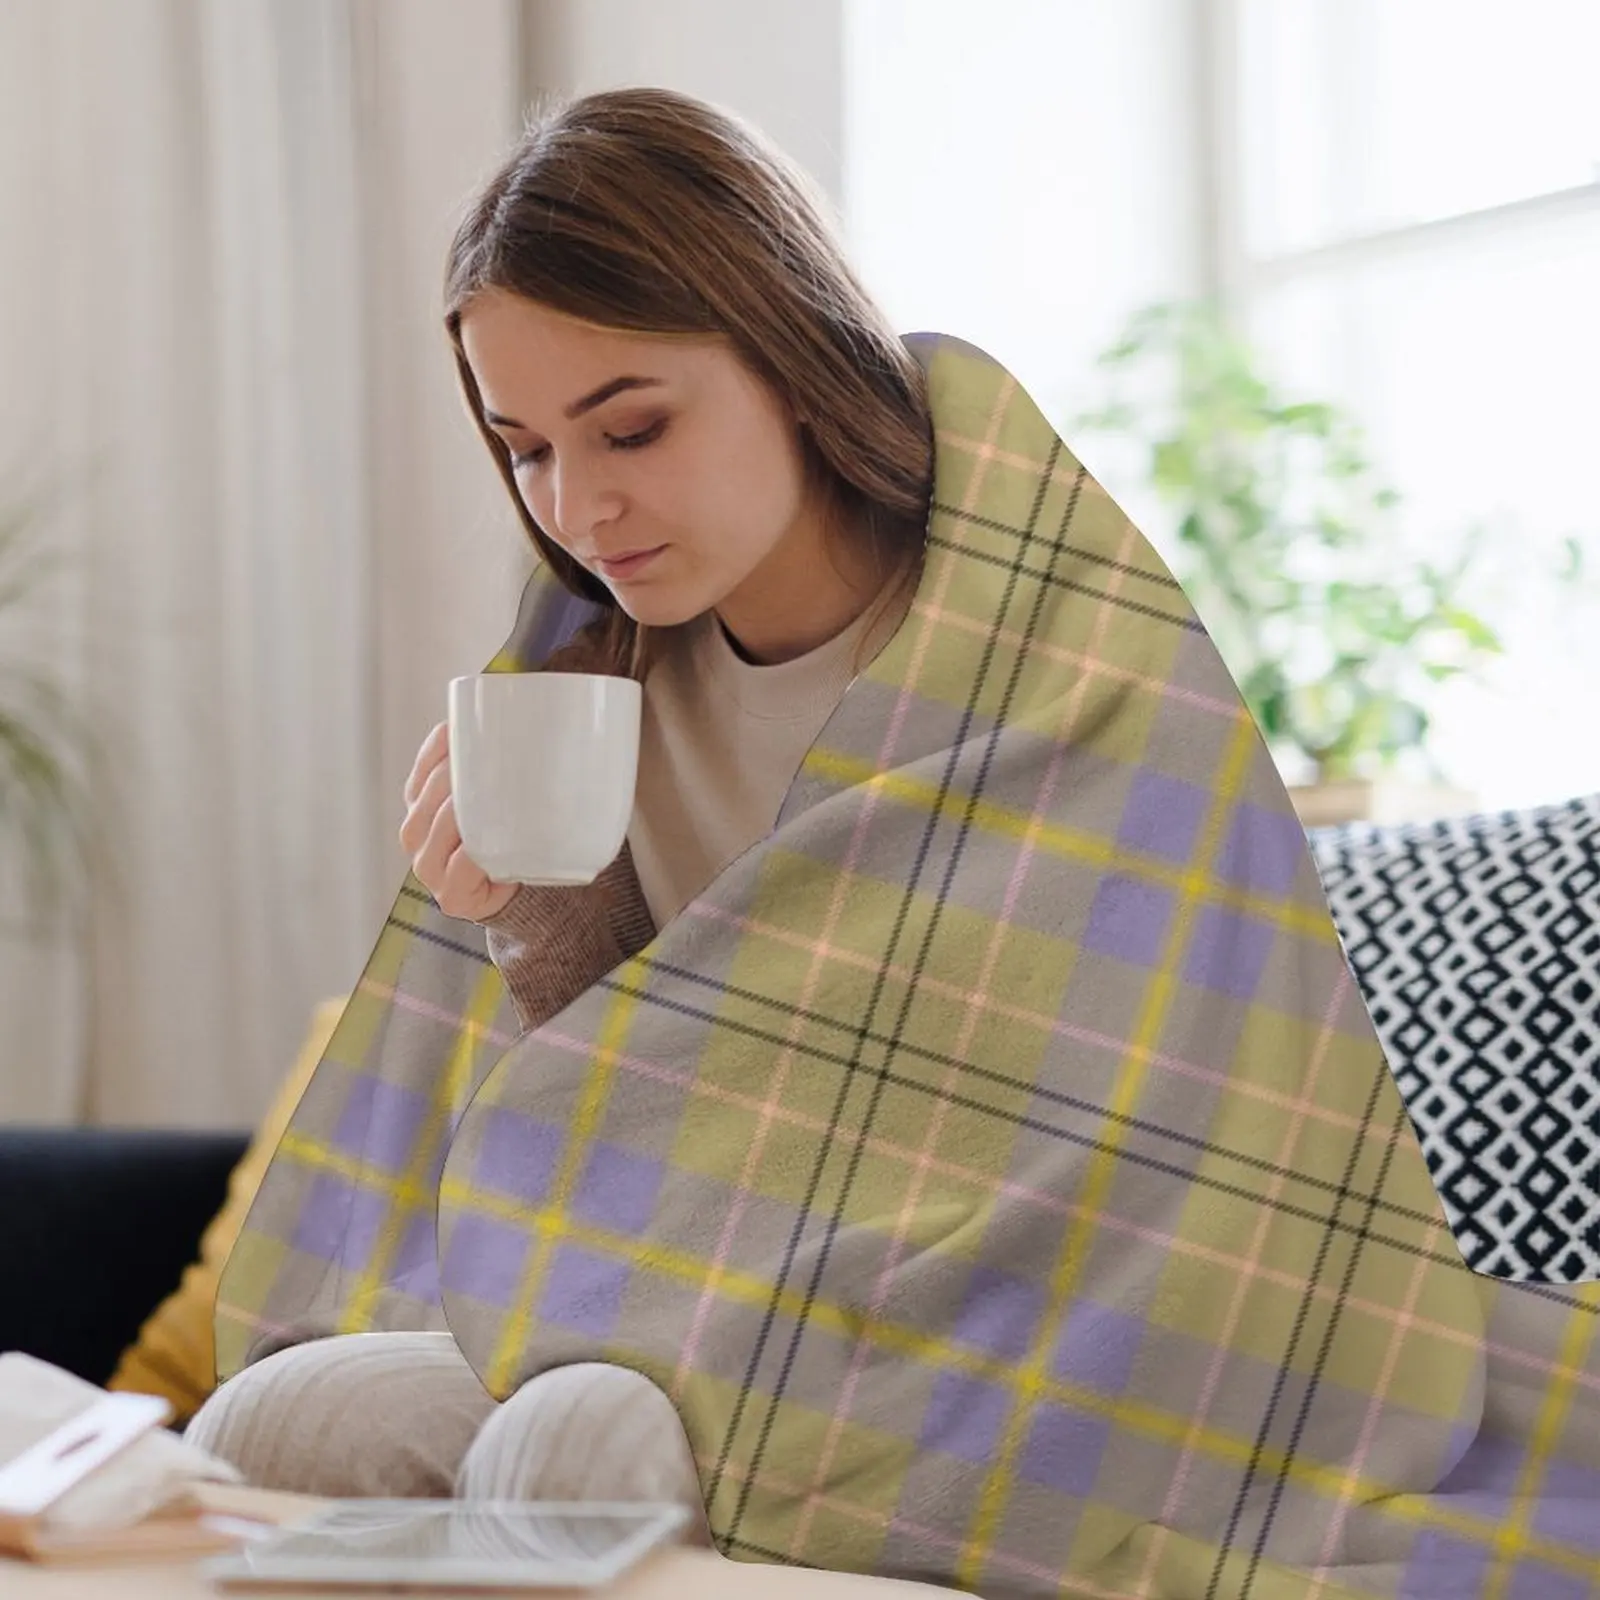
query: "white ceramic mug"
543, 767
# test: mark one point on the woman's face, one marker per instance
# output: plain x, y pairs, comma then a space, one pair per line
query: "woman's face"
661, 464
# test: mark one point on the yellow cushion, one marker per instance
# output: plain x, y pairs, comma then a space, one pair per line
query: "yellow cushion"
174, 1355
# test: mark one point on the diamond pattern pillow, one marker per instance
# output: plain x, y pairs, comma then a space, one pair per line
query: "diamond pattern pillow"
1477, 945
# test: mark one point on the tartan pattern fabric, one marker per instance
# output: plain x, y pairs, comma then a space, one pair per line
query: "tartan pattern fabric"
997, 1165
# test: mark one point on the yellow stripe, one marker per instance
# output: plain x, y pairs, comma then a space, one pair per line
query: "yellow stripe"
406, 1194
609, 1043
1071, 844
1165, 1427
1103, 1166
1513, 1540
450, 1088
747, 1289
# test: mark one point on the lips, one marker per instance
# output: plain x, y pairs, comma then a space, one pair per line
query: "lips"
628, 563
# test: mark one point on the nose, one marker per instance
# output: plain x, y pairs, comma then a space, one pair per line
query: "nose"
583, 501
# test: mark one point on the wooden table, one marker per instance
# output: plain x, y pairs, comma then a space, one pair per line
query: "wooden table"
671, 1575
668, 1575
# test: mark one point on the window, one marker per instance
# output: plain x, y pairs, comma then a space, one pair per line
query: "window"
1411, 224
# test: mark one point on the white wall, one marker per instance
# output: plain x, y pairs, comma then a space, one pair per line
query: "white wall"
775, 62
1025, 175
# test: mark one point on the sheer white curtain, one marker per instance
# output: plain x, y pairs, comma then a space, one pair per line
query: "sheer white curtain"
222, 229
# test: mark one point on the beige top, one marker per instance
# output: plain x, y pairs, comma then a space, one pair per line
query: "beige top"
721, 740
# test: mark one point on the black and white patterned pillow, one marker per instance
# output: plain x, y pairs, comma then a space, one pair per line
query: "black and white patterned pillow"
1477, 945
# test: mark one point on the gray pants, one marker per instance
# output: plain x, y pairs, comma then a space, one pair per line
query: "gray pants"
403, 1415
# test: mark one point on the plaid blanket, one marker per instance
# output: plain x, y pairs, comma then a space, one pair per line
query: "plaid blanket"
997, 1164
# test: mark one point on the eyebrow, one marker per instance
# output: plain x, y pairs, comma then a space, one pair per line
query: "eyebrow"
578, 408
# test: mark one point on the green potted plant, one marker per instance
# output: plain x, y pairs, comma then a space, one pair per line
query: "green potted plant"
45, 752
1337, 629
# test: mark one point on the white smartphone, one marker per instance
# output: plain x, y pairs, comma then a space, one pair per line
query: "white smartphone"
464, 1544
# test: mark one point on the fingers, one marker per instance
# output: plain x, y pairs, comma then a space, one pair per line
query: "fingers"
466, 887
435, 748
431, 836
459, 886
432, 861
424, 809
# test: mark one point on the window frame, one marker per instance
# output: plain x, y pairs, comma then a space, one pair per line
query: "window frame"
1234, 275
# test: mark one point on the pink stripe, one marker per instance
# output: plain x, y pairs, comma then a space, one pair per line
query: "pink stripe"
254, 1320
923, 1163
1050, 1203
1176, 1065
1162, 687
1049, 1330
973, 1010
1369, 1425
1517, 1358
1063, 470
426, 1008
1051, 1577
770, 1110
820, 955
1250, 1272
1046, 1202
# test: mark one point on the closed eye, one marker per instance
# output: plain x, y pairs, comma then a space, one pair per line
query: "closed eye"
637, 441
627, 441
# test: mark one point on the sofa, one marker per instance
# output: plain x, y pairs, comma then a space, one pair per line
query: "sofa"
1476, 943
96, 1228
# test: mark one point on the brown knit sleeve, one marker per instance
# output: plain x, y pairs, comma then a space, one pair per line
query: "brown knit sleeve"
551, 944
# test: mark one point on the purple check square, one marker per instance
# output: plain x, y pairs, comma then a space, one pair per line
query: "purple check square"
584, 1291
415, 1269
484, 1259
339, 1222
1569, 1507
1443, 1567
964, 1417
1536, 1581
1129, 920
1096, 1347
999, 1314
1262, 850
1228, 952
1162, 816
1462, 1439
1064, 1449
1486, 1464
618, 1189
516, 1155
380, 1123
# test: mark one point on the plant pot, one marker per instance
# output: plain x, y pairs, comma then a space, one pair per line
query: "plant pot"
1378, 800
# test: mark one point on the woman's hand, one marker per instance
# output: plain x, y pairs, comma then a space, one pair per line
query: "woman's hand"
429, 835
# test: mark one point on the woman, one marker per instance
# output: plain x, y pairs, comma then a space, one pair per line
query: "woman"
948, 1143
708, 429
711, 432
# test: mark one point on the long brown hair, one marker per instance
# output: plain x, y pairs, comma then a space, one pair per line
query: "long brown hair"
646, 211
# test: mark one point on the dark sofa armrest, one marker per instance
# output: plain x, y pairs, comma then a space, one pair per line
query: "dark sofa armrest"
96, 1227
